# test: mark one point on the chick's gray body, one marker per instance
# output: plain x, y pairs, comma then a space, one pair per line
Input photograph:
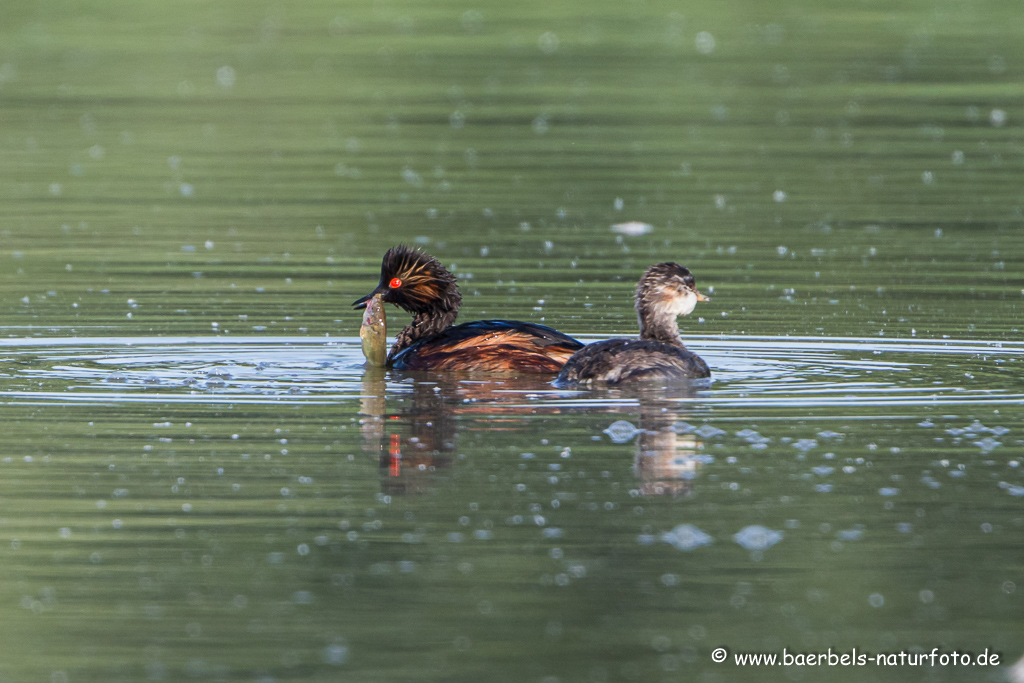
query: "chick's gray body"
665, 291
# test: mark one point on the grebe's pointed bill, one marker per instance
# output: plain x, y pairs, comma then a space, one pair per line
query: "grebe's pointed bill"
360, 304
700, 297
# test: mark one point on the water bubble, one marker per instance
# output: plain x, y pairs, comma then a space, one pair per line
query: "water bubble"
621, 431
632, 228
876, 600
779, 196
548, 43
225, 77
888, 491
686, 537
757, 537
997, 117
335, 654
705, 43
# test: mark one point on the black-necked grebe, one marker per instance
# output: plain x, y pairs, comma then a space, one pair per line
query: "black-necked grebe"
419, 284
666, 290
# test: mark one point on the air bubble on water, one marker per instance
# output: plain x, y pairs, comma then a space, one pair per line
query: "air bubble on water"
225, 76
958, 157
928, 178
926, 423
187, 190
621, 431
876, 600
804, 445
548, 43
782, 251
483, 534
412, 177
854, 534
633, 228
888, 491
823, 470
824, 488
708, 432
757, 537
779, 196
335, 654
705, 43
619, 204
987, 445
997, 117
686, 537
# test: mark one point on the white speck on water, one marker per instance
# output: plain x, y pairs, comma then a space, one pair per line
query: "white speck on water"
618, 204
926, 424
804, 445
987, 445
823, 470
997, 117
548, 43
876, 600
928, 178
828, 434
854, 534
619, 431
225, 76
541, 124
483, 534
633, 228
1015, 491
686, 537
779, 196
824, 488
705, 43
187, 190
757, 537
708, 432
958, 157
888, 491
335, 654
782, 251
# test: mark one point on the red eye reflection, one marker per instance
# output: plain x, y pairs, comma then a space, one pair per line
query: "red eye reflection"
395, 283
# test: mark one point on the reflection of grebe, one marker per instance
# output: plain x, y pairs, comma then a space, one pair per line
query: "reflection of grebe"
419, 284
665, 291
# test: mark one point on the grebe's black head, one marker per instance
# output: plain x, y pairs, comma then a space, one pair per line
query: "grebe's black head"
414, 281
665, 291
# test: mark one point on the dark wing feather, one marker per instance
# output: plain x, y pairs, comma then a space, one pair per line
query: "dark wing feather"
492, 346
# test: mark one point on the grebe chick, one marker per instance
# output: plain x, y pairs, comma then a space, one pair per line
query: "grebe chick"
419, 284
665, 291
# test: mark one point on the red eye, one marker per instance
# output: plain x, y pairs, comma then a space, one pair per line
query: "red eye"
395, 283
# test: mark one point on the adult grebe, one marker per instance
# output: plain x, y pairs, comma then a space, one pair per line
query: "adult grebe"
419, 284
665, 291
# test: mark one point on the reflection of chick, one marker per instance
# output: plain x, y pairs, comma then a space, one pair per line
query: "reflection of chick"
665, 462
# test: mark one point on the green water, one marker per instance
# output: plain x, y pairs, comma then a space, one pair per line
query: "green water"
200, 480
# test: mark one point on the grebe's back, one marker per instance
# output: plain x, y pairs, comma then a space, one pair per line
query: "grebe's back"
490, 346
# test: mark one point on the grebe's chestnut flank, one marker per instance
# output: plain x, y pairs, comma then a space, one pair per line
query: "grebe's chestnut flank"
666, 291
419, 284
